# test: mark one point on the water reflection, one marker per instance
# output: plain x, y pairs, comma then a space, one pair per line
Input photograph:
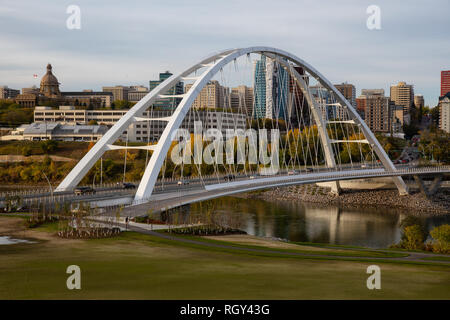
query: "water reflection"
295, 221
8, 240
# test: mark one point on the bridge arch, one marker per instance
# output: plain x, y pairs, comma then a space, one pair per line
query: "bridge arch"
213, 63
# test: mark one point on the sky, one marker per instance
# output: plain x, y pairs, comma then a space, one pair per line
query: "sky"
130, 42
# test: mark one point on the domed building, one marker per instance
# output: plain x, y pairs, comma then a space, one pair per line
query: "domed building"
49, 84
49, 95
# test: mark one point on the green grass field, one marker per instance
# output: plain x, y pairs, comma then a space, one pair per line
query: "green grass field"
136, 266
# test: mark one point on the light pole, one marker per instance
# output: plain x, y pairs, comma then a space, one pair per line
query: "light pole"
101, 172
50, 185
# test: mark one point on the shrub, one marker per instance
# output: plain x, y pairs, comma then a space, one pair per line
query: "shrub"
411, 221
413, 238
26, 151
441, 239
48, 146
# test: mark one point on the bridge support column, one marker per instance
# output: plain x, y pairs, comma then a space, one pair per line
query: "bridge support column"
432, 188
435, 184
336, 188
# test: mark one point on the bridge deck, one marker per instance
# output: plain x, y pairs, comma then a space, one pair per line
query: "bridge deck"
170, 200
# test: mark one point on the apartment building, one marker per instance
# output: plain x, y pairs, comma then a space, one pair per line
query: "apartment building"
444, 112
348, 91
402, 94
241, 99
377, 110
212, 96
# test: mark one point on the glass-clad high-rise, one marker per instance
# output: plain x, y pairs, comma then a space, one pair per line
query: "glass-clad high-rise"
259, 89
167, 103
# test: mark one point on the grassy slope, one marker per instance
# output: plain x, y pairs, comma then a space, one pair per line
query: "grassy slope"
136, 266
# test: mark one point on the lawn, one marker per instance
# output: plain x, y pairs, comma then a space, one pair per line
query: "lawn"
136, 266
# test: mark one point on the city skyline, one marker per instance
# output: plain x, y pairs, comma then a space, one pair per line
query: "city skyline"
403, 50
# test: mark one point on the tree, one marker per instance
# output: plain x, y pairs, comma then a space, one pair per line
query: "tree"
122, 104
414, 221
14, 116
26, 150
410, 130
48, 146
92, 122
413, 238
441, 236
434, 145
435, 115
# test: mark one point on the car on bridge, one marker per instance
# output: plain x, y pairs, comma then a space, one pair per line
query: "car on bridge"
83, 190
182, 182
230, 177
127, 185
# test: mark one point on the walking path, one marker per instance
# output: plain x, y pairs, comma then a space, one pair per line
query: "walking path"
412, 256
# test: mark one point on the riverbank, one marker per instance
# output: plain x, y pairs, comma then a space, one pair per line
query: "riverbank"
438, 204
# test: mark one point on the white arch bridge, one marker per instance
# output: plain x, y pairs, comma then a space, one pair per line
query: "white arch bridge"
321, 142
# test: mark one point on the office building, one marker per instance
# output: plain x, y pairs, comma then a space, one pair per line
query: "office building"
419, 102
325, 103
8, 93
402, 94
445, 82
259, 88
119, 92
271, 89
57, 131
298, 109
142, 131
89, 98
348, 91
167, 103
277, 90
137, 93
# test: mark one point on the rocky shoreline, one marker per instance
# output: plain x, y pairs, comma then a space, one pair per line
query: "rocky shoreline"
438, 204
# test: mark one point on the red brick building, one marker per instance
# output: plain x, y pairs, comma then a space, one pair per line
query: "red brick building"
445, 82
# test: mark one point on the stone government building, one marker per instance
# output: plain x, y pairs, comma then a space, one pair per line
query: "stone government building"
49, 93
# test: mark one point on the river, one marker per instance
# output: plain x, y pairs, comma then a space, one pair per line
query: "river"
295, 221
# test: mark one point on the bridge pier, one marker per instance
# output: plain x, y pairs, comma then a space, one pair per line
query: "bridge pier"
435, 184
335, 188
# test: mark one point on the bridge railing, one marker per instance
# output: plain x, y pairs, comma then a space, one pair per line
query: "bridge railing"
42, 191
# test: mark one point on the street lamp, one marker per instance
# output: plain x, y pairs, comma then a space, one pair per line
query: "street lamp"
49, 184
